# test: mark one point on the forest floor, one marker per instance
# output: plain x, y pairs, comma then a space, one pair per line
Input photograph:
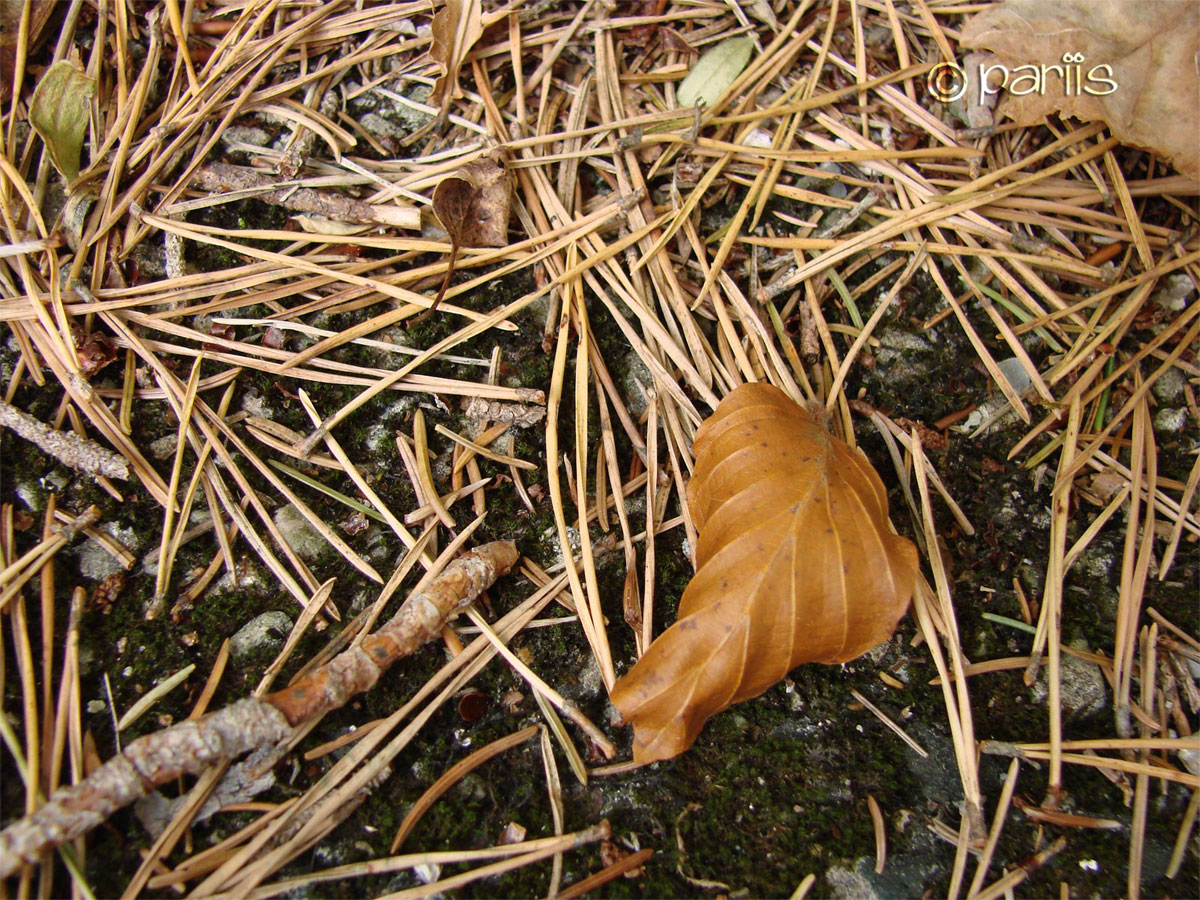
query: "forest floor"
1003, 320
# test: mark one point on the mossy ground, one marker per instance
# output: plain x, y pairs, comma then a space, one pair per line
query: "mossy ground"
773, 789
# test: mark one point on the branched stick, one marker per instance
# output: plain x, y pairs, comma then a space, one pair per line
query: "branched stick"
190, 747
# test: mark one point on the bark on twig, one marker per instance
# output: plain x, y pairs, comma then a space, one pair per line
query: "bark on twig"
66, 446
243, 781
183, 749
190, 747
222, 178
420, 619
519, 414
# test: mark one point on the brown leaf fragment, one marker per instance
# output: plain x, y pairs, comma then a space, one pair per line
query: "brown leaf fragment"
795, 563
274, 337
674, 42
10, 30
1134, 64
613, 854
473, 203
473, 206
931, 439
456, 28
513, 833
108, 592
93, 351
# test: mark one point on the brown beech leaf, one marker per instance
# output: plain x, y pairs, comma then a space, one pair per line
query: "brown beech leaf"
456, 28
795, 564
1151, 47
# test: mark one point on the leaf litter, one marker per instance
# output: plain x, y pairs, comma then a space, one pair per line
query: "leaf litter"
690, 237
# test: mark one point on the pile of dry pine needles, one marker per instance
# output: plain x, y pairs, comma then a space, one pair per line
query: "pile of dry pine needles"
1042, 226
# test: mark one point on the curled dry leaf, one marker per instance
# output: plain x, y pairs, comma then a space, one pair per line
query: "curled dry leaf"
795, 563
1148, 49
456, 28
59, 112
473, 203
473, 206
94, 351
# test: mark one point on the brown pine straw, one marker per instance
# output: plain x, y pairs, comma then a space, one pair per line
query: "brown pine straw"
891, 724
554, 790
523, 850
249, 724
958, 704
998, 819
607, 874
880, 834
455, 774
1003, 886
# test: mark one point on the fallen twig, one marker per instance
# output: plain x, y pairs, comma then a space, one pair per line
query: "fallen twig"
66, 446
192, 746
224, 178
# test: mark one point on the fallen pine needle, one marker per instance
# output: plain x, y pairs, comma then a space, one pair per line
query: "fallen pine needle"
605, 875
880, 834
452, 776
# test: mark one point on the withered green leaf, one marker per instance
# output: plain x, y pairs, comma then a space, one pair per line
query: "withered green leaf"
59, 113
715, 71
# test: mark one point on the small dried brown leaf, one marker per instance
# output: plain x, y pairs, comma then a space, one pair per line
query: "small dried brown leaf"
94, 351
456, 28
673, 41
796, 563
473, 204
108, 592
